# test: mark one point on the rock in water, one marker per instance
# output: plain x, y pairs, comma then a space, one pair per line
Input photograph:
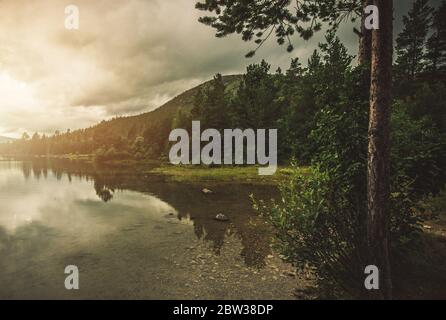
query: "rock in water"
206, 191
221, 217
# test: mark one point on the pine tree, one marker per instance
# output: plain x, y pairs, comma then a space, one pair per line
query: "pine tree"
254, 104
259, 19
211, 106
411, 41
436, 44
378, 164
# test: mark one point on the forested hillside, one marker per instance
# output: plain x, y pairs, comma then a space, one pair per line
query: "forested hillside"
141, 136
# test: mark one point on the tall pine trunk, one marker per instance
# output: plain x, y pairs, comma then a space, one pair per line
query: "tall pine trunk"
378, 186
365, 38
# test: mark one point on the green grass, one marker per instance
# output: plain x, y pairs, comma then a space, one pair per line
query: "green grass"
246, 174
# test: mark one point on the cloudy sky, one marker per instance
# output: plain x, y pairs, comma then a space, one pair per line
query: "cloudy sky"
128, 56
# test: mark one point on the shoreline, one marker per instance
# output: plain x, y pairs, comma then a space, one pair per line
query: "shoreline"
178, 173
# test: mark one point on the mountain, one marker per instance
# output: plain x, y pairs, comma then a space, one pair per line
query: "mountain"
133, 125
120, 137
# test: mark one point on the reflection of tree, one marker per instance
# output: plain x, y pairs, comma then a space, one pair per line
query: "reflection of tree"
102, 191
37, 170
188, 200
26, 168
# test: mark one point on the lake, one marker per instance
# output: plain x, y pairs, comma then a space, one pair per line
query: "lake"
132, 236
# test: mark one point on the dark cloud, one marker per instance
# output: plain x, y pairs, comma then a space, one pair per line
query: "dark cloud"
128, 57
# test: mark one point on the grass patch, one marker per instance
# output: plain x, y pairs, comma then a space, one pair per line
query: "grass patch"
237, 174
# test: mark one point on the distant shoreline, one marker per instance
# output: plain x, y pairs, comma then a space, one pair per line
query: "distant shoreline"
178, 173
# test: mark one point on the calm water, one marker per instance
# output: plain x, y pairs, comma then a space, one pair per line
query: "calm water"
131, 236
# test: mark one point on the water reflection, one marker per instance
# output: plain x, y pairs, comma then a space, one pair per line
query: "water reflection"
56, 196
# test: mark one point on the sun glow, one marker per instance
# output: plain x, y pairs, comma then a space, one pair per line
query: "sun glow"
15, 93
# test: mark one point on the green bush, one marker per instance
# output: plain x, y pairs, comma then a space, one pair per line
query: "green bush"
318, 228
320, 219
418, 150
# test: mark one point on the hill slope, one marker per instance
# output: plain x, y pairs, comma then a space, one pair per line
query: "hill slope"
134, 125
120, 137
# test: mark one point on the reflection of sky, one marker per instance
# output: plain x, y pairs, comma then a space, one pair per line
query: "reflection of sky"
70, 207
131, 245
49, 223
52, 208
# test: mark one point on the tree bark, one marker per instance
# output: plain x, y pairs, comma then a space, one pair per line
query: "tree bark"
378, 186
365, 38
